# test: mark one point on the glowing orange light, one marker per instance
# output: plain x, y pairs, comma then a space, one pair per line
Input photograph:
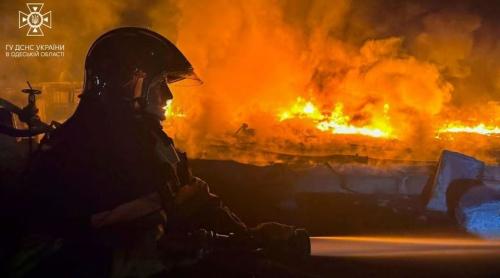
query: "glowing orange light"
170, 112
479, 129
336, 122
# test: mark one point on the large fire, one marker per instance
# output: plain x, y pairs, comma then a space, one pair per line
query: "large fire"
323, 129
389, 79
337, 122
277, 83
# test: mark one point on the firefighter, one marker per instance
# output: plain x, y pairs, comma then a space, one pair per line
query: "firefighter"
109, 182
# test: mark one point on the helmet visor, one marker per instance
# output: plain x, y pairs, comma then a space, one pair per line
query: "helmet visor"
184, 78
180, 78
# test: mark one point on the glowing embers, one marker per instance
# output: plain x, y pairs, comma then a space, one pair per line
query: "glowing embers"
481, 128
337, 122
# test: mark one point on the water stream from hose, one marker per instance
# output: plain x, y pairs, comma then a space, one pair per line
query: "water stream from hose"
380, 246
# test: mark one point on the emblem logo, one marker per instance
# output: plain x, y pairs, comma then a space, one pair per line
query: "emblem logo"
35, 20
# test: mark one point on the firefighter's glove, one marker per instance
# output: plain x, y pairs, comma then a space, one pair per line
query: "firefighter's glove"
192, 197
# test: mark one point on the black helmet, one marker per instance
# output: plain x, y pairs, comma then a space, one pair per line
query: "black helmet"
115, 57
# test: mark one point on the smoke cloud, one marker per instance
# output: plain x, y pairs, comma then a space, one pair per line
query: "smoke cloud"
412, 65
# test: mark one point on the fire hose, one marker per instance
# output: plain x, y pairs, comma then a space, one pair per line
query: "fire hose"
239, 251
202, 241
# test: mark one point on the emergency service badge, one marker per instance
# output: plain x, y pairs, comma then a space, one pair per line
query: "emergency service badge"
35, 20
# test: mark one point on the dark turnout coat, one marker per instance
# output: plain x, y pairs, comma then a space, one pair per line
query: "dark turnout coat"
100, 158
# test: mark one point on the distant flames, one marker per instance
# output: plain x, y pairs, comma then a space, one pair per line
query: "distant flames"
336, 121
479, 129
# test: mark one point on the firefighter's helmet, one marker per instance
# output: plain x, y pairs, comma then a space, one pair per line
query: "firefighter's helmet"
119, 55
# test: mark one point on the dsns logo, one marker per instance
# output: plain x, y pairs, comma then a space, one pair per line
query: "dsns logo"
35, 20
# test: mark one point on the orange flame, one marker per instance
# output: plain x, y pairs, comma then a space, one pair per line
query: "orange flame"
478, 129
337, 122
172, 112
